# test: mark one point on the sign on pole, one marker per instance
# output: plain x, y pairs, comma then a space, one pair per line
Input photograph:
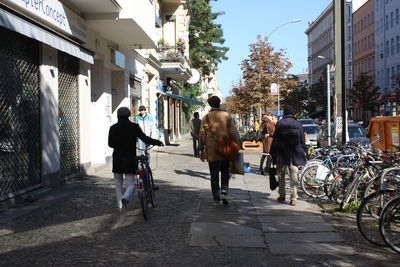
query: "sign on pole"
274, 89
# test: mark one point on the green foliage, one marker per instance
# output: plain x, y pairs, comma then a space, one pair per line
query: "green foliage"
298, 97
205, 37
191, 91
317, 96
162, 42
364, 92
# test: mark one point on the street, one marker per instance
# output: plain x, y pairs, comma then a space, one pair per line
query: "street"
78, 224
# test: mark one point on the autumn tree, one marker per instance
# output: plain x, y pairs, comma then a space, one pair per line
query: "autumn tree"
364, 93
264, 66
240, 100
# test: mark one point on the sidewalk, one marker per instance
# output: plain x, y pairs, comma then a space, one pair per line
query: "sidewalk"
79, 224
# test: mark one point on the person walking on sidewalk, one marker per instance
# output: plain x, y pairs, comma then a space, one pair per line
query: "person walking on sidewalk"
122, 138
220, 123
146, 123
288, 151
268, 129
195, 131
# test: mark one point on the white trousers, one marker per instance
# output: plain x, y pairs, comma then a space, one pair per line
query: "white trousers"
130, 184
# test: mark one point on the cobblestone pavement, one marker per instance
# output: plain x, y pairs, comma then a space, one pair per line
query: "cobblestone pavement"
78, 224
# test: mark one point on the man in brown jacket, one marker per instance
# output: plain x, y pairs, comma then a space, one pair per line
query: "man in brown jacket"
220, 123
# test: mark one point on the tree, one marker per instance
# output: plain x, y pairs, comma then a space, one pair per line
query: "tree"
204, 51
365, 93
205, 37
298, 97
264, 67
239, 103
317, 96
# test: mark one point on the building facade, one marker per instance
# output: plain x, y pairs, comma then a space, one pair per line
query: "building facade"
320, 35
387, 40
363, 51
67, 66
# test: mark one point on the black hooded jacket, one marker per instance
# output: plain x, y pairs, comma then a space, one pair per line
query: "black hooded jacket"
122, 137
288, 144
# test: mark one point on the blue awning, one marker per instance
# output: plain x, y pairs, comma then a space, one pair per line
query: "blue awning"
30, 30
197, 102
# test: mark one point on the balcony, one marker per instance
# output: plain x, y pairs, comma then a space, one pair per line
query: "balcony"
174, 63
90, 8
123, 22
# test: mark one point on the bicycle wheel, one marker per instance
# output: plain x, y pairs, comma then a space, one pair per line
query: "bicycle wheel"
368, 215
350, 192
152, 193
335, 188
143, 198
389, 224
312, 180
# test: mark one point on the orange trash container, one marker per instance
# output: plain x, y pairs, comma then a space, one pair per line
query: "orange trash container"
387, 127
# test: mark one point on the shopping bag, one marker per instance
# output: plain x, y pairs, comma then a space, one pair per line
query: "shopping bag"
273, 182
237, 165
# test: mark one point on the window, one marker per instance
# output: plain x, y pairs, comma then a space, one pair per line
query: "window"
397, 16
387, 49
377, 27
391, 20
397, 44
387, 76
387, 22
393, 73
392, 47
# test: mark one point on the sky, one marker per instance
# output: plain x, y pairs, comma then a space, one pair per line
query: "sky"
245, 19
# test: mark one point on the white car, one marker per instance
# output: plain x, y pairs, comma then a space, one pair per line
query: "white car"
311, 131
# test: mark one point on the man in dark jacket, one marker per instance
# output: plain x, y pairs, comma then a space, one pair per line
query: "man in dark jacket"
122, 138
288, 150
195, 131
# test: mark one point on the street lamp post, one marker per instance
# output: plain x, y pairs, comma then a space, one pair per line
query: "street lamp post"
292, 21
269, 34
328, 97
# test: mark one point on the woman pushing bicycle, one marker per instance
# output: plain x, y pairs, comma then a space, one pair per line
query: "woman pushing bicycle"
122, 138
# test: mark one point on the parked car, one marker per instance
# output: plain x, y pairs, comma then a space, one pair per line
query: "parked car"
312, 131
357, 135
307, 121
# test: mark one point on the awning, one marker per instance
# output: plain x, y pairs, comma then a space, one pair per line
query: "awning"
23, 27
197, 102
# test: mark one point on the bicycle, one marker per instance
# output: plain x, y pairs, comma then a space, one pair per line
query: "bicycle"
145, 183
389, 224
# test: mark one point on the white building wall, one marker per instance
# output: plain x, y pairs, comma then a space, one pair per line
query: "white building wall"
49, 115
84, 85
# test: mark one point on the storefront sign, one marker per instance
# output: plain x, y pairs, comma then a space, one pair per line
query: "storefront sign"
54, 13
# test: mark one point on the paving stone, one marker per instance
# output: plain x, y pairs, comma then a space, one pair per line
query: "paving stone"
291, 219
230, 235
311, 248
299, 227
320, 237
